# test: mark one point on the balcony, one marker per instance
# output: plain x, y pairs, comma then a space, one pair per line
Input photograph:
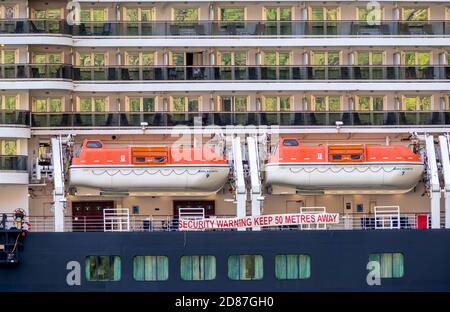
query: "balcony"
14, 163
16, 118
13, 170
218, 28
223, 73
35, 26
233, 73
282, 119
35, 71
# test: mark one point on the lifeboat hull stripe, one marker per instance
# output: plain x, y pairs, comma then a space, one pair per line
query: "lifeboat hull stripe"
367, 163
153, 167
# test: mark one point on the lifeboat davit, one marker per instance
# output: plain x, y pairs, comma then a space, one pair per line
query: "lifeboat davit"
148, 169
344, 169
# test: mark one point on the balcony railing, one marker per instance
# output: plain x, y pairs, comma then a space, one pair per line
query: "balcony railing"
232, 73
17, 163
235, 28
17, 118
223, 73
285, 119
36, 71
35, 26
148, 223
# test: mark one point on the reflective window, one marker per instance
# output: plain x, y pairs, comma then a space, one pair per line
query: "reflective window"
151, 268
391, 264
198, 268
103, 268
292, 267
245, 267
232, 14
185, 14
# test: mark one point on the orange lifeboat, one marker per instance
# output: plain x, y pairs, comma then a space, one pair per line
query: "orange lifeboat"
344, 169
148, 169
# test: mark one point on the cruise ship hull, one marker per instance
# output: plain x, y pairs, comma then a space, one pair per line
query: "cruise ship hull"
338, 260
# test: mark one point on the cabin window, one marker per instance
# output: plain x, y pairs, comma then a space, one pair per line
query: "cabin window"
151, 268
369, 103
326, 103
245, 267
337, 157
103, 268
185, 14
415, 14
8, 147
276, 103
278, 14
9, 102
292, 267
417, 103
290, 142
140, 104
93, 14
140, 58
324, 13
94, 144
144, 14
356, 157
8, 56
391, 264
234, 103
139, 159
181, 104
416, 58
366, 14
232, 14
274, 58
198, 268
50, 104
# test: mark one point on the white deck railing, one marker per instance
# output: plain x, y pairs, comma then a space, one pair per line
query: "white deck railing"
143, 223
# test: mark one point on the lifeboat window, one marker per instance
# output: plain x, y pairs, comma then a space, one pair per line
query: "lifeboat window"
94, 144
159, 159
290, 142
356, 157
139, 159
337, 157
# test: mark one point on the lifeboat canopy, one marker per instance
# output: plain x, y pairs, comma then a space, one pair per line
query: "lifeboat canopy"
149, 170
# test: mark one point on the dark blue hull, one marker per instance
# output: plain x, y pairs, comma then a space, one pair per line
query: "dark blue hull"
338, 260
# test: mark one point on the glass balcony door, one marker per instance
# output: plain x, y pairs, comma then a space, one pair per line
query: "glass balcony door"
279, 21
138, 21
46, 20
186, 22
234, 110
232, 65
323, 65
324, 20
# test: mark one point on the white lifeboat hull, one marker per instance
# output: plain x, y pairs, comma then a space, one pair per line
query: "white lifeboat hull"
370, 178
206, 179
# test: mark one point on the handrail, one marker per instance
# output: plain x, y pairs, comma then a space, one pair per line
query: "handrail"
153, 73
296, 28
388, 118
14, 117
150, 223
15, 162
